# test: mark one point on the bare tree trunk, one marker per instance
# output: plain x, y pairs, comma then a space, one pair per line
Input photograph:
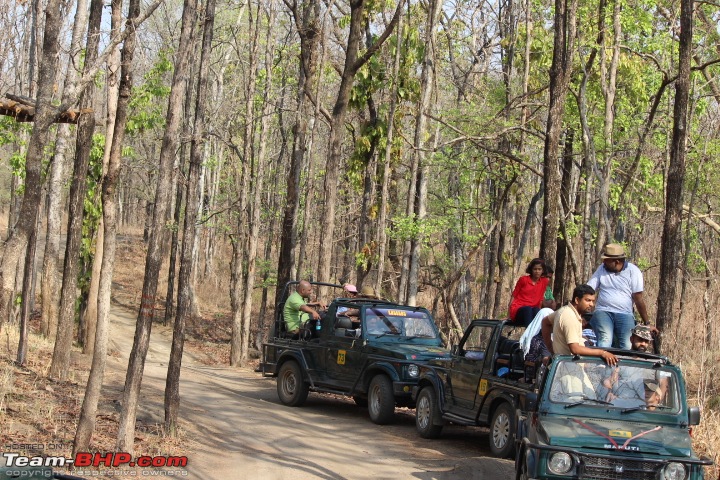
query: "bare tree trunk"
608, 78
307, 24
427, 83
78, 189
86, 422
45, 114
178, 190
197, 150
257, 190
563, 241
560, 73
238, 343
671, 236
384, 204
51, 276
337, 129
28, 277
153, 259
91, 313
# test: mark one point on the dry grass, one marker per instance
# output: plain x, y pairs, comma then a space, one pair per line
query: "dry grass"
36, 410
688, 347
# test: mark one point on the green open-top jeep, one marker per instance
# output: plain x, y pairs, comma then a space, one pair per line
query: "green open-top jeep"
587, 420
368, 349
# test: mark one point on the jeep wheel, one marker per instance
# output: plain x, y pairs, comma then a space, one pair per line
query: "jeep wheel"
291, 387
427, 414
381, 401
361, 402
502, 431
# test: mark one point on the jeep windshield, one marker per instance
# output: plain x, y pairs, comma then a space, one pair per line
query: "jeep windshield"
631, 386
386, 322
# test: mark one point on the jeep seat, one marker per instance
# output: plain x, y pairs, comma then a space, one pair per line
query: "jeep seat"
342, 323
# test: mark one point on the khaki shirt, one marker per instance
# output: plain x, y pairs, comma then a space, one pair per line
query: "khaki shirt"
567, 329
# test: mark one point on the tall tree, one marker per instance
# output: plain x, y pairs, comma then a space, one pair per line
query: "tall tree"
307, 22
350, 68
86, 422
257, 190
76, 210
51, 276
560, 72
417, 200
154, 256
45, 115
197, 149
672, 235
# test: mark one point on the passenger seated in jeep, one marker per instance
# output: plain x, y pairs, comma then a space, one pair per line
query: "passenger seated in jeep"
297, 311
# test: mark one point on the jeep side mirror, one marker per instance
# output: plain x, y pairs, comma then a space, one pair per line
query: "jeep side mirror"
454, 350
694, 415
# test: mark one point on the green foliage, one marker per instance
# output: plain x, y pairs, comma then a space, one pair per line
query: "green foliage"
92, 206
15, 133
147, 110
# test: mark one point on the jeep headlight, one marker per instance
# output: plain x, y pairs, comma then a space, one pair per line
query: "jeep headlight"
413, 370
674, 471
560, 463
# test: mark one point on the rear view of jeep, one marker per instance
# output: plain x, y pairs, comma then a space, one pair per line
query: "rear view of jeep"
588, 420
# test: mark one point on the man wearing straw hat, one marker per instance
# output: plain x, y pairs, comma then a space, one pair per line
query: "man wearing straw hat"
620, 286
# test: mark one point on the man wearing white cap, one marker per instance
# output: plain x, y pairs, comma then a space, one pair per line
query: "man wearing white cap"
620, 285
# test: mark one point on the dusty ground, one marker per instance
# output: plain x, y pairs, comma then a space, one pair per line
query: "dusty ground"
234, 427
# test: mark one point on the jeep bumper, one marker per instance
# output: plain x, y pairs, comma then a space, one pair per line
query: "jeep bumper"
403, 389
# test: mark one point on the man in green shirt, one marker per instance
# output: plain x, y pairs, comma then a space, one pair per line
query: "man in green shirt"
297, 311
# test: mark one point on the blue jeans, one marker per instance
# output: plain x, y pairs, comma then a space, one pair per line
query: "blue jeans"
613, 329
525, 315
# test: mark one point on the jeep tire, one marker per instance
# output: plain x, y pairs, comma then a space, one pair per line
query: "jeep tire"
291, 388
427, 414
381, 401
502, 431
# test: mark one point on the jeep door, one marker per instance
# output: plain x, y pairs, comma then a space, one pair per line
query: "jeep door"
472, 358
343, 357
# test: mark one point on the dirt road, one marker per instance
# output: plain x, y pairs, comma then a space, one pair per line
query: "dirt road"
239, 429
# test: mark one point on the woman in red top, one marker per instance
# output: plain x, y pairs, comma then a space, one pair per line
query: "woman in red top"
529, 293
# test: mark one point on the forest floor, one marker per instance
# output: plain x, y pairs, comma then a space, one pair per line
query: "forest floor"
231, 425
36, 411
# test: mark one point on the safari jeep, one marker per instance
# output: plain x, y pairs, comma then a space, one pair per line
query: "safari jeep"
590, 421
367, 349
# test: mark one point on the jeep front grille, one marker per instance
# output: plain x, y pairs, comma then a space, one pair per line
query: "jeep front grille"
597, 468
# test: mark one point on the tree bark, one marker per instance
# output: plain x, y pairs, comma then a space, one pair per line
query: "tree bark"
384, 193
608, 78
113, 68
258, 183
560, 73
51, 276
192, 207
427, 84
337, 129
154, 257
45, 114
671, 236
76, 210
86, 422
307, 24
238, 342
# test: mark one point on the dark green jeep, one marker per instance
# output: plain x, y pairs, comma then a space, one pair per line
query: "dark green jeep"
590, 421
364, 348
